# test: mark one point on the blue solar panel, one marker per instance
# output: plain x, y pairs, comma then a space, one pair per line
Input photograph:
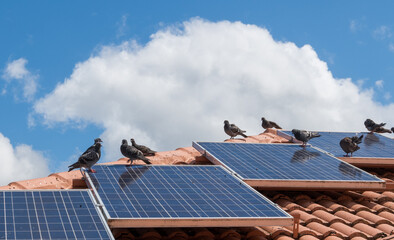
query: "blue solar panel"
68, 214
177, 193
372, 146
282, 162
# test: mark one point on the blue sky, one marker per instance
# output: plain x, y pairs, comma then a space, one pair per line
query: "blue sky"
49, 42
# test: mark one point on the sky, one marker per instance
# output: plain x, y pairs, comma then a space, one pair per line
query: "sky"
169, 74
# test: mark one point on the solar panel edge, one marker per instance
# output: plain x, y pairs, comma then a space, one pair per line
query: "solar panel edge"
192, 222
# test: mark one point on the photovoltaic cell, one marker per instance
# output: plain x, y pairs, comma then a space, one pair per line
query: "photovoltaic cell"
186, 194
372, 146
281, 162
68, 214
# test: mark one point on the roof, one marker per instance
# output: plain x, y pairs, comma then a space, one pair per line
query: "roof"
327, 215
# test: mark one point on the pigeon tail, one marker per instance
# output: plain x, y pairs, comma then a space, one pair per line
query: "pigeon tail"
314, 134
145, 159
243, 134
74, 166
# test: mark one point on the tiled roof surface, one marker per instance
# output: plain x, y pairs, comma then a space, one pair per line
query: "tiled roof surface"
322, 215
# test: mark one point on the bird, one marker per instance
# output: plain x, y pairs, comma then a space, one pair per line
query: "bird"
89, 157
232, 130
373, 127
350, 144
269, 124
304, 136
392, 129
144, 149
132, 153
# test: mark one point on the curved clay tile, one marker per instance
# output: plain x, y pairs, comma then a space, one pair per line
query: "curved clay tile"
312, 206
307, 218
347, 231
290, 206
353, 219
335, 207
304, 231
328, 217
175, 234
380, 198
387, 215
371, 231
355, 206
375, 206
323, 230
373, 217
333, 238
386, 228
276, 231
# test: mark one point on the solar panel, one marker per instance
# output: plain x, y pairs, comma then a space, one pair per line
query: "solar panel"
373, 145
287, 166
180, 196
68, 214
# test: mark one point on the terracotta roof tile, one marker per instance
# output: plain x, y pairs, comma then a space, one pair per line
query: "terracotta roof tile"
347, 231
373, 217
386, 228
353, 219
371, 231
323, 230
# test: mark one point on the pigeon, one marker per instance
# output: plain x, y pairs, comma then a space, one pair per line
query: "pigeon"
132, 153
145, 150
269, 124
232, 130
350, 144
392, 129
304, 136
89, 157
373, 127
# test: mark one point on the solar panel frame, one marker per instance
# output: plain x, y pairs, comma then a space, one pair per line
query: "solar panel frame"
330, 144
39, 214
123, 222
296, 184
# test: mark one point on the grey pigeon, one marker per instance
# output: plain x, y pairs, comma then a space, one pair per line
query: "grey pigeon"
89, 157
232, 130
269, 124
144, 149
350, 144
373, 127
132, 153
304, 136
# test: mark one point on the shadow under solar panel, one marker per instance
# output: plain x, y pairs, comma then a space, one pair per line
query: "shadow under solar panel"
180, 196
287, 166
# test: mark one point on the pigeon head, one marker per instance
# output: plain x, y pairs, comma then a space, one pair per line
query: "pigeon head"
97, 140
132, 140
263, 119
124, 141
294, 131
97, 146
226, 122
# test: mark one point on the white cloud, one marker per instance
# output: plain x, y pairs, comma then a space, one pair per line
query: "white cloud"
16, 70
379, 84
382, 32
20, 163
188, 79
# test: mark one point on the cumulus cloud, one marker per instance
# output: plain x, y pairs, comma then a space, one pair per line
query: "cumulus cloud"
188, 79
20, 163
16, 70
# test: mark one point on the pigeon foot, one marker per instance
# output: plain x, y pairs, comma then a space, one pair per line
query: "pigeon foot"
92, 171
